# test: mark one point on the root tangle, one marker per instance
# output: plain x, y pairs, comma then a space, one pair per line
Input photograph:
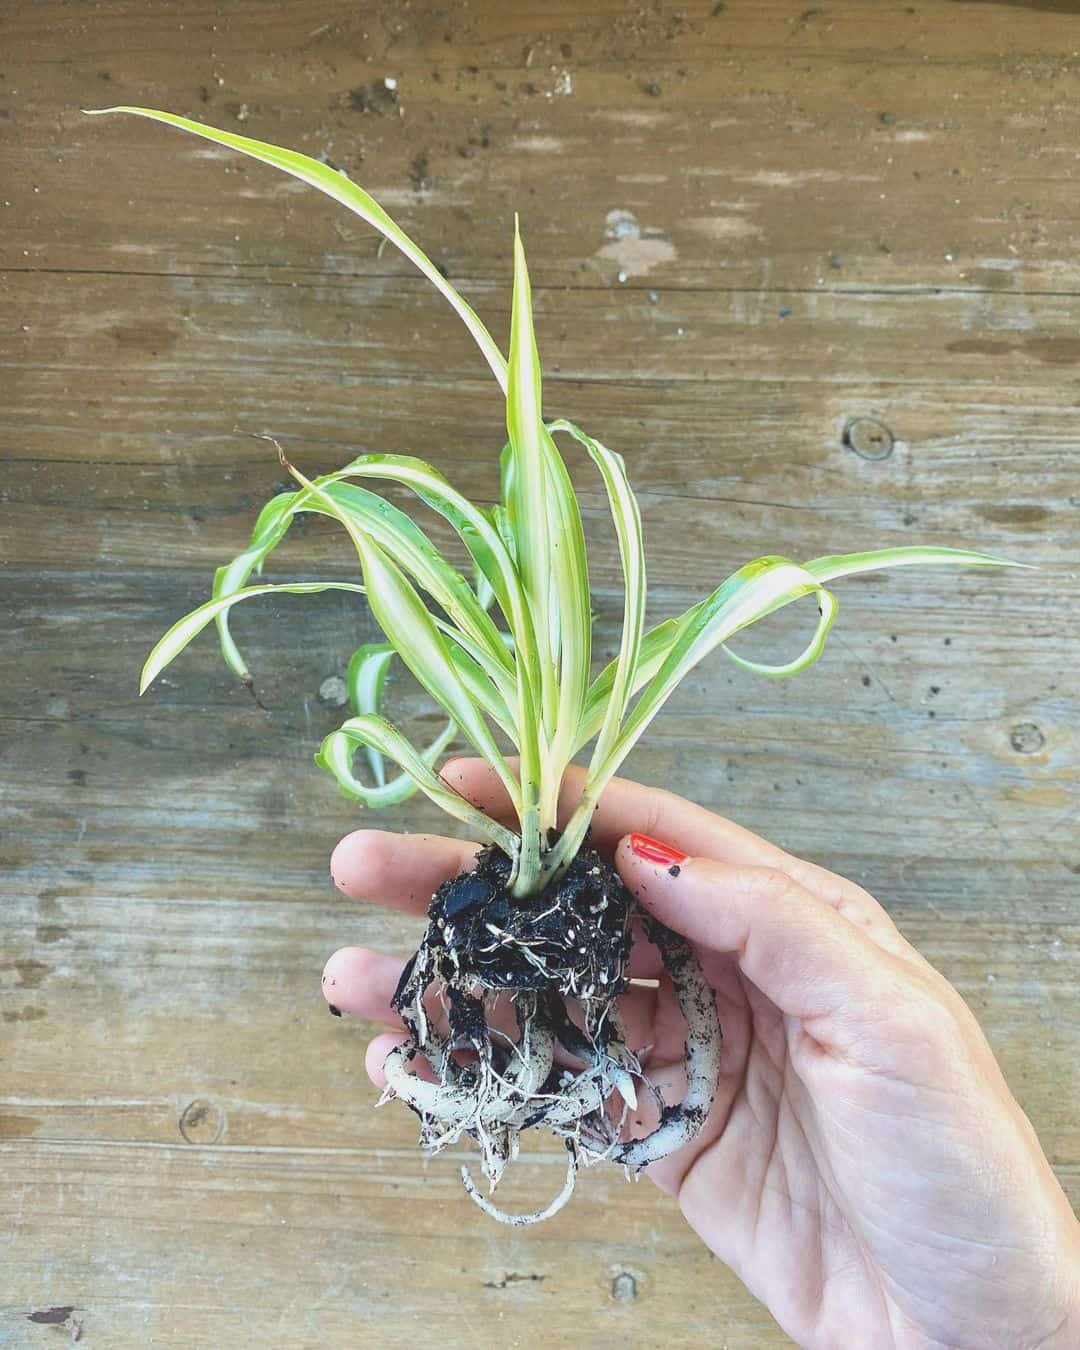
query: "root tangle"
490, 1086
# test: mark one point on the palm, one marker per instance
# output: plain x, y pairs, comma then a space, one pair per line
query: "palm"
796, 1182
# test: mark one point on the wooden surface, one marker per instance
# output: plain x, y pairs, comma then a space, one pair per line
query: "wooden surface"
748, 224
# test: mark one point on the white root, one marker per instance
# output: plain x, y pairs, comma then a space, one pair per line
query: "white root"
511, 1086
537, 1216
449, 1104
697, 1001
624, 1082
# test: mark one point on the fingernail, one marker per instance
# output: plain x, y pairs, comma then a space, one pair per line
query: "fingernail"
652, 850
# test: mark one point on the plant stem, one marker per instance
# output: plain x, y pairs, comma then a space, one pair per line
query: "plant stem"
529, 874
557, 859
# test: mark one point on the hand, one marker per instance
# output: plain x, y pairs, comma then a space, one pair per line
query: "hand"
865, 1169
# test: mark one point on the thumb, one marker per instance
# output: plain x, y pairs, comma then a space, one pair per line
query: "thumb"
809, 960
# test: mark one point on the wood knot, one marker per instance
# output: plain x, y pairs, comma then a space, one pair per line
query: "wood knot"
623, 1286
202, 1122
1026, 738
869, 438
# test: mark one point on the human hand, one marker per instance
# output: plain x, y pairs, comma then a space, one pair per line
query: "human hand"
865, 1169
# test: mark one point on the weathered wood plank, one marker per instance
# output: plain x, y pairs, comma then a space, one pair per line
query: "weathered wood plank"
977, 431
819, 213
911, 147
228, 1241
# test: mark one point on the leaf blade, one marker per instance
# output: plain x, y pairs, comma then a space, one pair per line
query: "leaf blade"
626, 517
848, 564
335, 184
185, 630
412, 631
335, 756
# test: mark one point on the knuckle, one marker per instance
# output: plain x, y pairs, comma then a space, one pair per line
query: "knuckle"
770, 884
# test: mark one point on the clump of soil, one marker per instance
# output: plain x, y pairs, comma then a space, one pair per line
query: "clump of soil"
573, 936
558, 959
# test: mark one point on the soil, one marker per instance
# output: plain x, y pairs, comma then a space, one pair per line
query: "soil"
573, 936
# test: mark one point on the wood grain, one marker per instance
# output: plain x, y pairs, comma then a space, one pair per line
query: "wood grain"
749, 225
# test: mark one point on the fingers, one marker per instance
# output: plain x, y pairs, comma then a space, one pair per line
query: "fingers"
361, 982
627, 806
403, 871
399, 870
375, 1057
806, 958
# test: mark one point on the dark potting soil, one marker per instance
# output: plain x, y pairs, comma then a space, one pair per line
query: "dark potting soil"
577, 929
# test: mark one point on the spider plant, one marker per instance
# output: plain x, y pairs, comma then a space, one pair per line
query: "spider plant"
508, 657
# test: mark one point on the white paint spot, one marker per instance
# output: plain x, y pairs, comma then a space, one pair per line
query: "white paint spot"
910, 134
333, 691
636, 251
564, 85
622, 225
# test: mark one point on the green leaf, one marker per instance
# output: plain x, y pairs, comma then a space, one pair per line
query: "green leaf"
479, 686
412, 631
365, 679
627, 520
404, 541
847, 564
337, 751
475, 528
827, 611
549, 547
336, 185
400, 536
270, 528
525, 482
500, 518
572, 621
168, 647
754, 590
757, 589
655, 645
657, 641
